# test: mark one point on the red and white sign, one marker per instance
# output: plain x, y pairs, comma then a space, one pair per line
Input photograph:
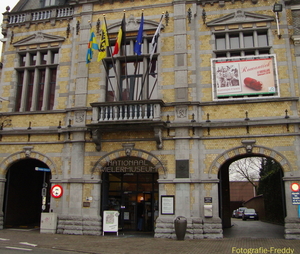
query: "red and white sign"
295, 187
244, 76
56, 191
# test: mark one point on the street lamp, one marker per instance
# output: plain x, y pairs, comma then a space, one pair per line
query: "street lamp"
277, 8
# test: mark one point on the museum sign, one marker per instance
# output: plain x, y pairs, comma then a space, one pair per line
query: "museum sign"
129, 165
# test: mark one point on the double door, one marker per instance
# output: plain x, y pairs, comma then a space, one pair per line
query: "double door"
135, 196
137, 211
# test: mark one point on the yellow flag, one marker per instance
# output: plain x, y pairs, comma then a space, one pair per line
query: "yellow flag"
103, 43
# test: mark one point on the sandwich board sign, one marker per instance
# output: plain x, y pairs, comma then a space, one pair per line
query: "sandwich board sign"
110, 221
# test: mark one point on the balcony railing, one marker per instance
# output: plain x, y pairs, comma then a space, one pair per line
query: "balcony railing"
41, 15
127, 111
15, 19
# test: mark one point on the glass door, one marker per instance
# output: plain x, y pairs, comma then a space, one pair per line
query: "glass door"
135, 196
129, 211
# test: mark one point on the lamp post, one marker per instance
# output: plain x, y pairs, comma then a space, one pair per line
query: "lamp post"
277, 8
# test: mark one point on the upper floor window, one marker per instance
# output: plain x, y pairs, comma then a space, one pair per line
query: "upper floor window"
131, 77
50, 2
243, 65
241, 43
131, 72
36, 80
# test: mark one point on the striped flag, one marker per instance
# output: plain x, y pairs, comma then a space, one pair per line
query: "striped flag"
155, 38
120, 38
103, 43
92, 45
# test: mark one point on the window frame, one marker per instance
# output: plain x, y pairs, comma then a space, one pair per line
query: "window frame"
131, 57
243, 51
30, 96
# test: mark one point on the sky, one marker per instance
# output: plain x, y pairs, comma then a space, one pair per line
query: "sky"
3, 4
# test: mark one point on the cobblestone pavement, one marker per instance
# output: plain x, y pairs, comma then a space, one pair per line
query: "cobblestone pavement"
133, 244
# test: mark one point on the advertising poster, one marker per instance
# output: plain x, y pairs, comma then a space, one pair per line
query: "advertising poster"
244, 77
110, 221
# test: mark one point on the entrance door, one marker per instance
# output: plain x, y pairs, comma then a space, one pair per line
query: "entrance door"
135, 196
24, 187
129, 211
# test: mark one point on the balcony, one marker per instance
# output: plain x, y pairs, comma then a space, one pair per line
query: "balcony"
19, 18
126, 112
127, 116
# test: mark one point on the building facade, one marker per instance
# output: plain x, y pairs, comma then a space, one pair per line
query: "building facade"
149, 135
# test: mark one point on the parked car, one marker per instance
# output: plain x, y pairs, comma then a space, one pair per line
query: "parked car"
233, 213
249, 213
239, 212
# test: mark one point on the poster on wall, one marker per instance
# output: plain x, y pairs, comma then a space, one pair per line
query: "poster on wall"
110, 221
167, 205
244, 76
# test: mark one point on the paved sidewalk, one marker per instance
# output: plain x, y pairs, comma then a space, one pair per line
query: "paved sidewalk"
130, 244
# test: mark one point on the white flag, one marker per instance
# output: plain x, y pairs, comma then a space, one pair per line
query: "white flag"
155, 38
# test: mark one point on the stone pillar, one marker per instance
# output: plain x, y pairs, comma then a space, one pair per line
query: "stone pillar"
180, 52
2, 190
81, 208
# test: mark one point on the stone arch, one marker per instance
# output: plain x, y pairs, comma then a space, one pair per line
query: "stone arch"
27, 153
255, 150
128, 151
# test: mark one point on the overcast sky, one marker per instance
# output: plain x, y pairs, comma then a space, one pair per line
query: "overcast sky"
3, 4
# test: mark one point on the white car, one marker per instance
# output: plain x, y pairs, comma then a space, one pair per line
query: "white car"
239, 212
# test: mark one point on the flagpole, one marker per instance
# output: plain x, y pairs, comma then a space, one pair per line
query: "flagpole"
113, 63
137, 50
89, 53
152, 52
125, 53
152, 89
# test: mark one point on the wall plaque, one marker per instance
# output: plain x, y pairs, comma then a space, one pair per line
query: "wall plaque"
182, 168
207, 199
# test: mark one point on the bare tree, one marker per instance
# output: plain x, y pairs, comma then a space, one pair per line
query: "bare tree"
246, 169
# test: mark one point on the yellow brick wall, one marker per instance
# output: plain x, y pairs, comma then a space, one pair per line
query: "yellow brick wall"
255, 110
237, 111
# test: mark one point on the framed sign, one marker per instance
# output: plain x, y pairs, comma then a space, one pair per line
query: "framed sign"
167, 205
240, 76
207, 199
110, 221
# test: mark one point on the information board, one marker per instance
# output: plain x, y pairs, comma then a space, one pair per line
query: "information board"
167, 205
110, 221
296, 198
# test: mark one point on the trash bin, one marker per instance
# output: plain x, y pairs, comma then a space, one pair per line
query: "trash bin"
180, 224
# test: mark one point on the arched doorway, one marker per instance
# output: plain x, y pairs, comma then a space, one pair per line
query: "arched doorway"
129, 185
27, 193
272, 182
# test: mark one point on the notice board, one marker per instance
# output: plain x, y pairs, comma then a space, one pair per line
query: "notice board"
110, 221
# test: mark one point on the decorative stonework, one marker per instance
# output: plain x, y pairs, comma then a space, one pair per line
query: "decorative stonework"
264, 151
240, 17
181, 112
128, 148
79, 117
96, 135
141, 153
296, 39
28, 152
39, 38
